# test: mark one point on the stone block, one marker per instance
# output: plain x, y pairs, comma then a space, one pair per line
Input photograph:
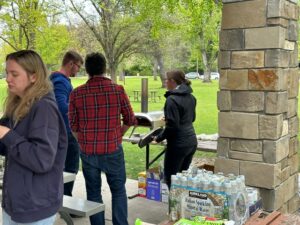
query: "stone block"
238, 125
223, 147
277, 58
270, 127
224, 59
292, 107
237, 15
293, 146
293, 162
293, 30
293, 204
284, 163
293, 82
285, 173
285, 128
264, 38
224, 100
290, 10
276, 102
293, 126
247, 59
277, 197
246, 156
289, 45
233, 80
275, 151
255, 174
246, 146
268, 79
227, 166
293, 58
247, 101
282, 8
232, 39
278, 21
275, 8
284, 208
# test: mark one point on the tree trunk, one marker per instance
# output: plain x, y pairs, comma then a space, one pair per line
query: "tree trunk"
113, 75
161, 70
207, 67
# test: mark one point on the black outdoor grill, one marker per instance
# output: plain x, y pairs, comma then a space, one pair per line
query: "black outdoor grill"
155, 122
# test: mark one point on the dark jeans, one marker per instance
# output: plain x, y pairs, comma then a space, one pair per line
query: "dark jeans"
176, 160
113, 165
72, 162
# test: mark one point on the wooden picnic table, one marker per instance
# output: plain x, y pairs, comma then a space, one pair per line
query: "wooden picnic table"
136, 95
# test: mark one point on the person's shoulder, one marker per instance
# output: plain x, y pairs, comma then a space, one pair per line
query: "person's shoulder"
59, 78
119, 87
45, 102
79, 89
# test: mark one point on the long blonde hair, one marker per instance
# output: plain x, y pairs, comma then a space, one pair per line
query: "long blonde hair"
15, 107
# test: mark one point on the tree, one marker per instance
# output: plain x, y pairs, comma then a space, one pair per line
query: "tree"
53, 42
204, 18
200, 19
21, 20
114, 27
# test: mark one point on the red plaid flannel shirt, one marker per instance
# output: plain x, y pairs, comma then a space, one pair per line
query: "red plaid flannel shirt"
95, 111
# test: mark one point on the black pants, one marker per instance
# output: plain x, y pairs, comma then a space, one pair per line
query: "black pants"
72, 162
176, 160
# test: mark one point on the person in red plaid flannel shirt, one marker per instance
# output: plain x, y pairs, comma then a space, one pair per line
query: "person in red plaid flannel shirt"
100, 113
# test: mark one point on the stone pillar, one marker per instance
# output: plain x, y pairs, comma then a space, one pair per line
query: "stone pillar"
258, 122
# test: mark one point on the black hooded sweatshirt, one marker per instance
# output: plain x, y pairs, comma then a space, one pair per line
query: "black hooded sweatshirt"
179, 109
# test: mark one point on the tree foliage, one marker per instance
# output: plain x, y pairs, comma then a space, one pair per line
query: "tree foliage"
20, 22
198, 19
114, 26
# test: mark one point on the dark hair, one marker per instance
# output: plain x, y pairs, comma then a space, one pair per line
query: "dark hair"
178, 76
71, 56
95, 64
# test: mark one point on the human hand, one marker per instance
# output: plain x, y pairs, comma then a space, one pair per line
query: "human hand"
154, 139
3, 131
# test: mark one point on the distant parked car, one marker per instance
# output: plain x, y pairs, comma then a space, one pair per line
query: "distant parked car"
192, 75
214, 76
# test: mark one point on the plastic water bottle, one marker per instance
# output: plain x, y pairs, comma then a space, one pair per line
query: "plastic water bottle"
173, 201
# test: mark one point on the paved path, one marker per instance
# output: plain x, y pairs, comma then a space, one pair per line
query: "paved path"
147, 210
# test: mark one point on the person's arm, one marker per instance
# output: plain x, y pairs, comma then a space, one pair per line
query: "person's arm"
172, 118
127, 112
72, 115
37, 150
124, 129
4, 124
61, 92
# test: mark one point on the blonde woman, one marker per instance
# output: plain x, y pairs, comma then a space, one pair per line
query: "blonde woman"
33, 139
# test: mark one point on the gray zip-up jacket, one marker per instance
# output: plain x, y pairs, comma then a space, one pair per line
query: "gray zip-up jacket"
180, 114
35, 150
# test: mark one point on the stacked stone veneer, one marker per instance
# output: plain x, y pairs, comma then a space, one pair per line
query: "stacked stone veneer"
258, 123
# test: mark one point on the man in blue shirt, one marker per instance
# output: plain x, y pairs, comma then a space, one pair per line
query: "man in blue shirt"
71, 64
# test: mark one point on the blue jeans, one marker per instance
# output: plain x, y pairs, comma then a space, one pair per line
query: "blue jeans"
8, 221
72, 162
113, 165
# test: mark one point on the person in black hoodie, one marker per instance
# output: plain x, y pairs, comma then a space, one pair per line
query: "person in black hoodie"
33, 139
180, 114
